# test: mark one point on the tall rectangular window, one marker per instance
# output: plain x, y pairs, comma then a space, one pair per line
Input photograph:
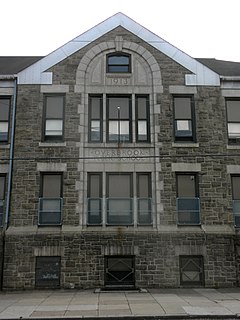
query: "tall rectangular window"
236, 199
233, 119
53, 117
184, 122
119, 119
119, 199
95, 118
2, 197
188, 202
94, 198
5, 103
142, 119
144, 198
50, 202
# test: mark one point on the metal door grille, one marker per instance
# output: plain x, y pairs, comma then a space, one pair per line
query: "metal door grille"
48, 272
119, 272
191, 270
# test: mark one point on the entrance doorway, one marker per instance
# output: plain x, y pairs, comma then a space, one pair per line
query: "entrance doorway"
119, 272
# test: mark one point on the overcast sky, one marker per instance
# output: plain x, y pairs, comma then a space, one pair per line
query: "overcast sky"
201, 28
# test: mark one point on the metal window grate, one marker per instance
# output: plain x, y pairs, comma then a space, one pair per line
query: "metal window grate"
191, 270
48, 272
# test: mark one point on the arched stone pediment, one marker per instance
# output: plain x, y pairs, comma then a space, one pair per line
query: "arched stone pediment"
145, 70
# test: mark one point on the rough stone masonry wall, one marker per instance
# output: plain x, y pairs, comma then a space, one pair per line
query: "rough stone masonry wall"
82, 258
1, 257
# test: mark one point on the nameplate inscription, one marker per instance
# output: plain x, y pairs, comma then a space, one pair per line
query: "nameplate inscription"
128, 155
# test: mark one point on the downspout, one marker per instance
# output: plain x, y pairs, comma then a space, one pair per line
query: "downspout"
9, 77
9, 187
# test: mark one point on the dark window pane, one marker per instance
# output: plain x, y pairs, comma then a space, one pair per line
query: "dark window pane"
233, 110
95, 107
118, 69
4, 109
236, 187
54, 107
118, 107
119, 186
2, 187
186, 185
142, 108
118, 60
182, 108
94, 186
143, 185
52, 185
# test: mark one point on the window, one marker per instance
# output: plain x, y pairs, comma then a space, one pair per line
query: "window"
95, 118
191, 270
118, 63
142, 119
94, 198
126, 199
233, 118
2, 197
115, 123
53, 120
5, 104
236, 199
119, 116
48, 270
144, 198
184, 126
50, 202
188, 202
119, 199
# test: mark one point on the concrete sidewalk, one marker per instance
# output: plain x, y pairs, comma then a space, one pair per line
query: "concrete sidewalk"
167, 303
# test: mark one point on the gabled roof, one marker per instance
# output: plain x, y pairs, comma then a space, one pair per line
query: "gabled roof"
35, 74
223, 68
13, 65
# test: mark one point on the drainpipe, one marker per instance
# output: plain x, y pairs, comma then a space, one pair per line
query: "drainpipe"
9, 188
14, 78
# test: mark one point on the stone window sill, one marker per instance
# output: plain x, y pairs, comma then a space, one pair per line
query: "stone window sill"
52, 144
185, 145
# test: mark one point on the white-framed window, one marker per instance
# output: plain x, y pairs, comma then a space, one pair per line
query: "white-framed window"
233, 120
184, 119
236, 199
5, 105
50, 200
53, 126
2, 197
188, 201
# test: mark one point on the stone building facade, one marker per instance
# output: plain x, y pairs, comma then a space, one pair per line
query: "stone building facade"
120, 165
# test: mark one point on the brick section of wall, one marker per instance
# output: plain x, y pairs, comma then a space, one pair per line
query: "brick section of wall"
82, 258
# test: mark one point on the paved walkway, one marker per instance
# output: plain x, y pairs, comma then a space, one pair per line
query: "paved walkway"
87, 303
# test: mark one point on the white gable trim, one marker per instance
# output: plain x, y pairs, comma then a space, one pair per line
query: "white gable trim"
35, 74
